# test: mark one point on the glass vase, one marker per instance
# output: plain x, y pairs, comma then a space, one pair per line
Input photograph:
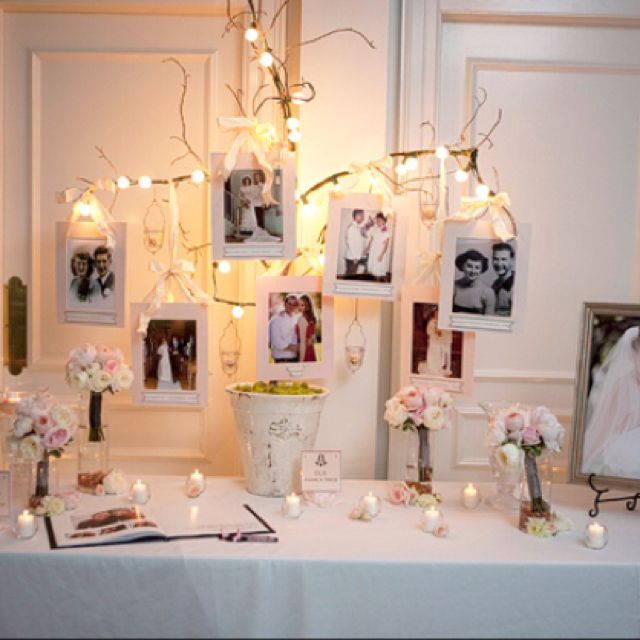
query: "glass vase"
535, 489
418, 469
507, 484
93, 447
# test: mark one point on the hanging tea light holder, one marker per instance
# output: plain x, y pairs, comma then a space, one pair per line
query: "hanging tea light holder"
154, 226
355, 343
230, 348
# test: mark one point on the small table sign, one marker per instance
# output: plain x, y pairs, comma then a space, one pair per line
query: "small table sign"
5, 494
321, 471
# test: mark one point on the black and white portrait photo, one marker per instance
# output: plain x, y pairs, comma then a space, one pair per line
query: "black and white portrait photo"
91, 276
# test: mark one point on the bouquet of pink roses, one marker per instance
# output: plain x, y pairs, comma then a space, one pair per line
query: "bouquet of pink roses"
413, 408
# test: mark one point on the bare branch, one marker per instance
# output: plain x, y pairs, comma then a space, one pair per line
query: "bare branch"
487, 136
238, 97
255, 97
332, 32
103, 156
479, 103
428, 123
276, 15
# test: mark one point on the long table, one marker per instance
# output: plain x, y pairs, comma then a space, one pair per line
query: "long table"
329, 576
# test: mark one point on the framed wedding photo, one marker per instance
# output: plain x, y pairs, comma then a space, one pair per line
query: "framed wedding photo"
90, 275
294, 328
170, 362
430, 355
243, 225
606, 417
365, 248
483, 279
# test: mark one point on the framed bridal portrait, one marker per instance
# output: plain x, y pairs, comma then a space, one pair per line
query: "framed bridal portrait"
243, 224
430, 355
365, 248
90, 275
170, 362
484, 279
294, 328
606, 417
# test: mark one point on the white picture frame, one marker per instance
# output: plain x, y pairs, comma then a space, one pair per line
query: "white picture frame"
86, 296
241, 227
175, 375
477, 241
273, 319
347, 235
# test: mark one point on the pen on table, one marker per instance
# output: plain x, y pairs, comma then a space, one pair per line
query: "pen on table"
242, 537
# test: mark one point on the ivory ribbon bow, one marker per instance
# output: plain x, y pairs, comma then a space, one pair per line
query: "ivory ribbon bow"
180, 270
429, 267
504, 226
259, 137
97, 212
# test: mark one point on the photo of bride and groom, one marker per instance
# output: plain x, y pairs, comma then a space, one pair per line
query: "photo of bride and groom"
91, 279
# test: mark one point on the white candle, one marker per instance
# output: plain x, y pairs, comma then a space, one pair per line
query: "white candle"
293, 507
26, 525
371, 504
197, 479
139, 492
470, 496
596, 535
430, 519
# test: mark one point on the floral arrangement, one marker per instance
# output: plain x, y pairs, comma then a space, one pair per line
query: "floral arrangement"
113, 483
98, 368
409, 496
41, 427
413, 408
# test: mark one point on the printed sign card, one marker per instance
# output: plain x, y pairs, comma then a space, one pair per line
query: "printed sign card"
321, 471
5, 494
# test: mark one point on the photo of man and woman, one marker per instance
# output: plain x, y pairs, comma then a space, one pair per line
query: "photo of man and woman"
246, 216
435, 353
91, 280
295, 332
169, 357
484, 277
365, 245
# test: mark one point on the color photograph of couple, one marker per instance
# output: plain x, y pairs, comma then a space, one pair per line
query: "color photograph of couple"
365, 245
169, 357
91, 280
247, 217
484, 277
295, 331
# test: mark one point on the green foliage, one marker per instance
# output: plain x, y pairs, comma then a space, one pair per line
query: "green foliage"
279, 388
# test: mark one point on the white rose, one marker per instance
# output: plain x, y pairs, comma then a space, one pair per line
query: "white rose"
548, 427
21, 426
123, 377
496, 434
78, 380
509, 456
63, 416
53, 505
99, 381
446, 400
434, 418
83, 356
31, 448
114, 483
93, 368
395, 413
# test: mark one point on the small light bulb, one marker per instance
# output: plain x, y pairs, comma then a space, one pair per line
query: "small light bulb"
294, 136
170, 298
461, 175
442, 152
297, 97
123, 182
401, 169
144, 182
266, 59
411, 163
84, 208
337, 188
308, 209
251, 34
482, 191
237, 312
224, 266
321, 259
293, 123
197, 176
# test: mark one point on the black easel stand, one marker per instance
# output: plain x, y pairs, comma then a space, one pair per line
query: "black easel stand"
632, 500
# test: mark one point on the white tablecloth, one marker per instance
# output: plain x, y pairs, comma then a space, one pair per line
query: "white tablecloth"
331, 576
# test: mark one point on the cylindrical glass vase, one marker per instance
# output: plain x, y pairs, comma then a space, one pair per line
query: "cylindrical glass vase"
535, 489
418, 469
93, 446
507, 484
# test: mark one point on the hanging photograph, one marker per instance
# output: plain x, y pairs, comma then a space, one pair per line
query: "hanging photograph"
430, 355
170, 362
364, 253
90, 275
483, 279
243, 223
294, 328
606, 419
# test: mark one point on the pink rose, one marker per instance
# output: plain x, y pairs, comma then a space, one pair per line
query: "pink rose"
397, 495
56, 438
103, 353
514, 421
42, 422
82, 356
110, 366
530, 436
194, 491
413, 399
99, 490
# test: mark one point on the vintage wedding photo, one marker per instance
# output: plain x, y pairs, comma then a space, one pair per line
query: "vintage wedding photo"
91, 275
607, 416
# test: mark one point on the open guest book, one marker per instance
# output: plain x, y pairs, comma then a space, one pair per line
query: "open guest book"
124, 523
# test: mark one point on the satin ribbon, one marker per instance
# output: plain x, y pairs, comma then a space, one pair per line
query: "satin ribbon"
259, 138
429, 267
181, 271
503, 223
98, 213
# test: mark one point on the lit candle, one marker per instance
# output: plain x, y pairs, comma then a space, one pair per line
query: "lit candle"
293, 507
470, 496
139, 492
596, 537
430, 519
371, 504
26, 525
197, 479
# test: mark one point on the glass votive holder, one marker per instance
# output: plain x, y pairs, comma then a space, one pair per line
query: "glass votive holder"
195, 484
431, 519
470, 496
596, 535
292, 506
139, 492
354, 357
229, 361
26, 525
370, 504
